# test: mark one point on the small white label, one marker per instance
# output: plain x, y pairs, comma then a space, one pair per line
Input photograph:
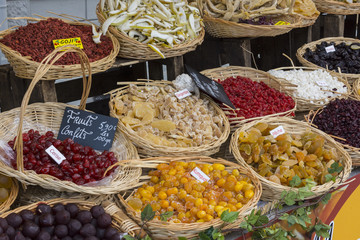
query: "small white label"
330, 49
322, 83
199, 175
55, 154
182, 94
277, 131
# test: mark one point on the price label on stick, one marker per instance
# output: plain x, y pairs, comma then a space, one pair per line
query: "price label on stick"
182, 94
73, 41
330, 49
55, 154
277, 131
210, 87
88, 129
281, 23
199, 175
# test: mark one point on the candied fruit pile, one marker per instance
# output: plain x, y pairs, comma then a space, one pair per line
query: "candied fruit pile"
156, 115
280, 159
5, 186
173, 188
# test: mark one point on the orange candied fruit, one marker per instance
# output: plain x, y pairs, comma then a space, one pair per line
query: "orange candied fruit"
173, 188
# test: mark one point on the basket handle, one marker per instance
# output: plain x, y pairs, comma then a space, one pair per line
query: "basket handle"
200, 7
42, 69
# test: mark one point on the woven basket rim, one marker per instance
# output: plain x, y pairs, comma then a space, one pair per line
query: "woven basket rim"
313, 69
151, 162
143, 143
13, 193
278, 188
312, 45
112, 55
356, 89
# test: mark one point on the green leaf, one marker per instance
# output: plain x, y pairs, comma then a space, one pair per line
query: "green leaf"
284, 216
291, 220
210, 231
164, 216
263, 219
228, 216
182, 238
310, 183
147, 214
128, 237
204, 236
295, 181
147, 237
335, 168
322, 230
290, 198
326, 198
304, 192
329, 177
244, 225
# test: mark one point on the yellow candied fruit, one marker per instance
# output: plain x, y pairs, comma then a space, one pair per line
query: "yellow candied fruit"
220, 182
218, 166
198, 202
164, 203
201, 214
235, 172
249, 194
162, 195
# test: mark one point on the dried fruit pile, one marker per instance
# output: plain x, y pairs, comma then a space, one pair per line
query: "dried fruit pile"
156, 115
254, 99
5, 186
341, 118
59, 222
280, 159
36, 41
82, 164
346, 57
172, 188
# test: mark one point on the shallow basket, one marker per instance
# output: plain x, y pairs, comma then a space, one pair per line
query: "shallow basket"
167, 230
26, 68
352, 151
303, 104
120, 221
148, 149
337, 7
272, 191
48, 116
356, 89
13, 193
223, 73
351, 78
130, 48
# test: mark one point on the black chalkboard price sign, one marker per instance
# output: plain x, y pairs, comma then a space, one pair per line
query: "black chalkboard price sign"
88, 129
210, 87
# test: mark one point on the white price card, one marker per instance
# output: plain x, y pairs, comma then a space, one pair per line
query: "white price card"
330, 49
321, 83
182, 94
199, 175
55, 154
277, 131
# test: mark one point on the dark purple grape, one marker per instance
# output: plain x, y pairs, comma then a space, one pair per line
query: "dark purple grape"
72, 208
43, 208
10, 231
62, 217
109, 232
88, 230
78, 237
27, 215
61, 231
84, 216
46, 220
97, 210
49, 230
19, 236
30, 229
43, 235
67, 238
74, 227
104, 220
1, 230
4, 237
91, 238
14, 220
100, 233
58, 208
3, 223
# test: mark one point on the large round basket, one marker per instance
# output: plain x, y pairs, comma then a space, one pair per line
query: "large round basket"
222, 73
337, 7
354, 152
303, 104
356, 89
149, 149
13, 193
272, 191
47, 116
312, 46
168, 230
130, 48
119, 219
26, 68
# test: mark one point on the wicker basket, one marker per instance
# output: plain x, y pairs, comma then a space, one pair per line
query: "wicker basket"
352, 151
303, 104
337, 7
119, 219
356, 89
223, 73
148, 149
130, 48
26, 68
167, 230
351, 78
13, 193
48, 116
272, 191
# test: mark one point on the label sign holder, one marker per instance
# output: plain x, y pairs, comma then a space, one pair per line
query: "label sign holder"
210, 87
87, 128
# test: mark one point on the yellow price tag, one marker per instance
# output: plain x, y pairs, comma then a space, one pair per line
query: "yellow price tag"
282, 23
73, 41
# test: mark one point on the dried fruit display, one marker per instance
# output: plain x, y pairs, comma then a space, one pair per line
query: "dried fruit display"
255, 99
173, 188
280, 159
59, 222
5, 188
82, 165
35, 40
157, 115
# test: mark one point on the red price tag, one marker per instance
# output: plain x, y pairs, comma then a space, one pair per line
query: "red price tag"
277, 131
199, 175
